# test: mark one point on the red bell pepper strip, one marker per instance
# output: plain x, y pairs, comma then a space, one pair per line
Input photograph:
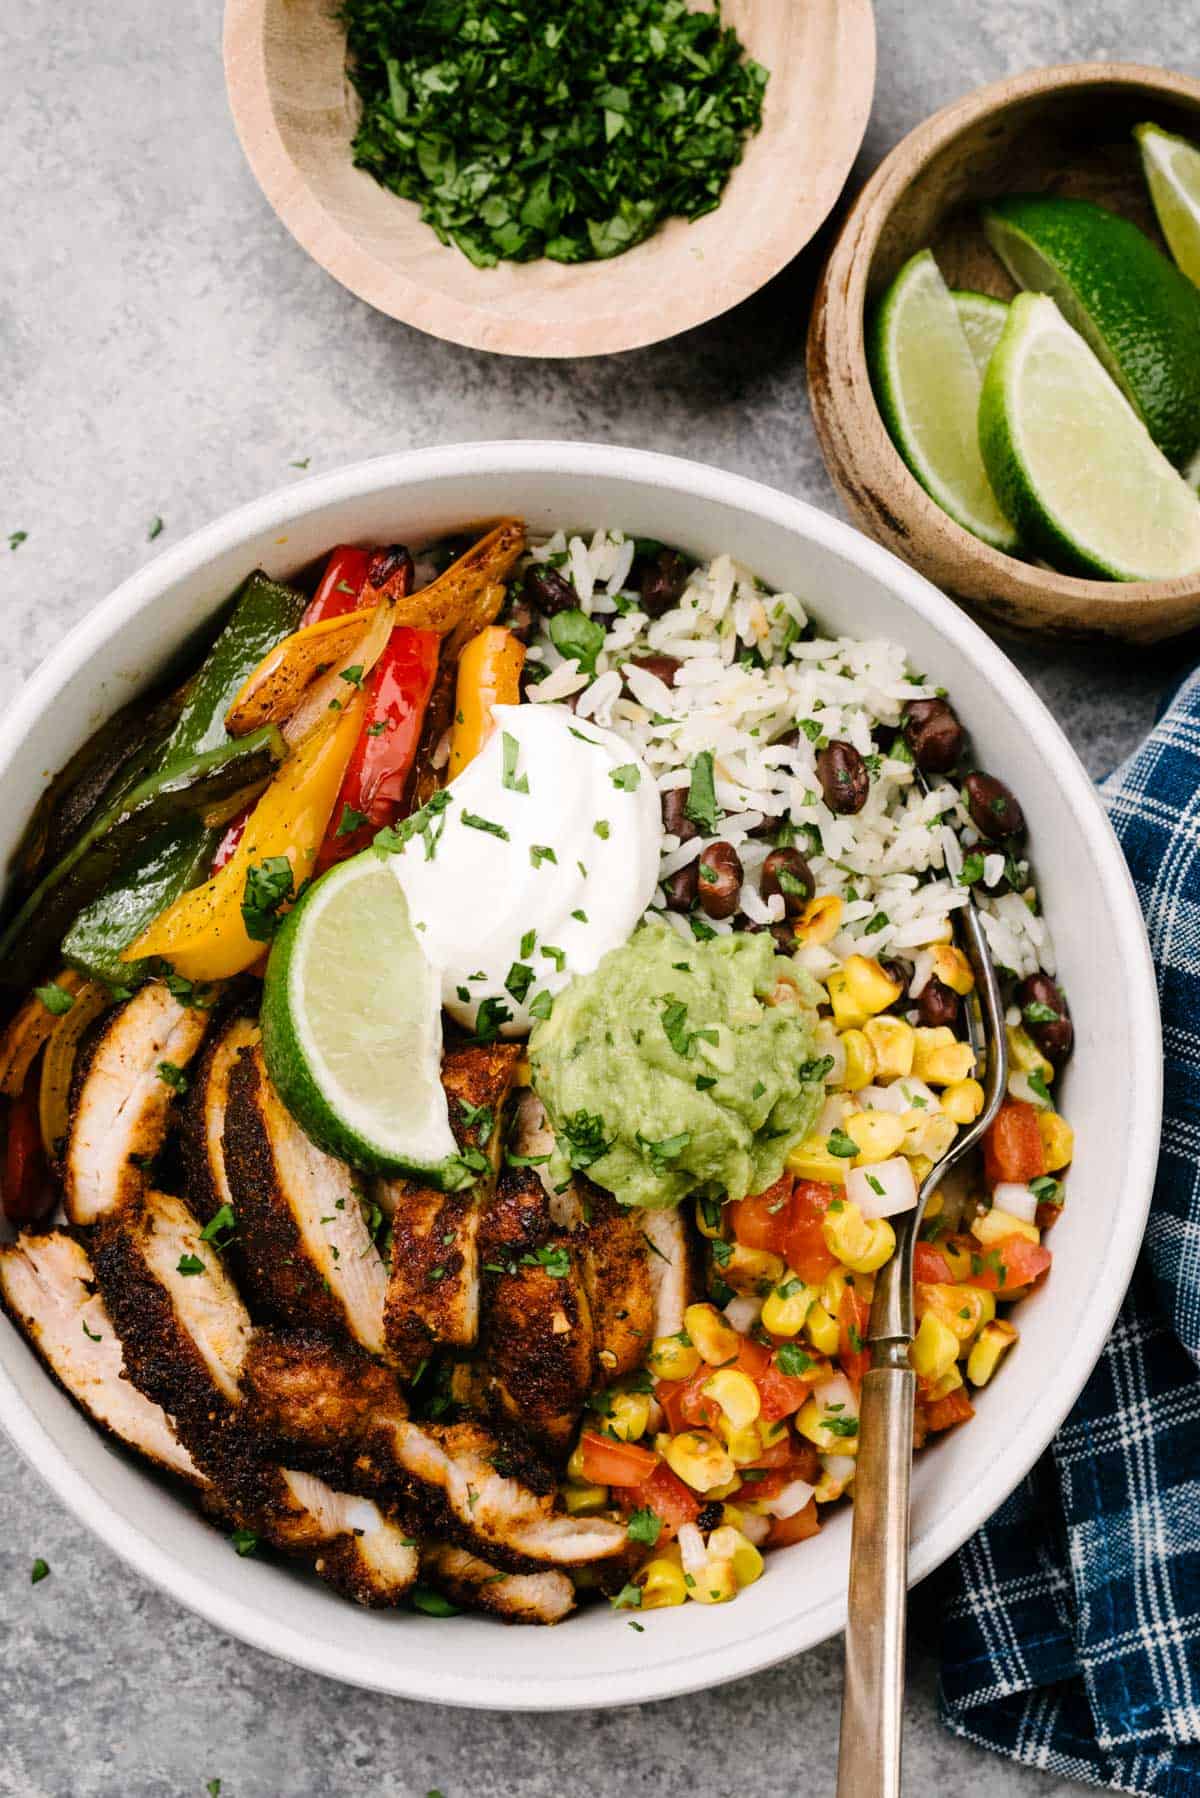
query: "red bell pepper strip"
28, 1194
341, 584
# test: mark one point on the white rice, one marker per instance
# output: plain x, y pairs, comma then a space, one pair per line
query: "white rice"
896, 864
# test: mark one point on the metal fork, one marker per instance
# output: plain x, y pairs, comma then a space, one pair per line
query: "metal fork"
873, 1697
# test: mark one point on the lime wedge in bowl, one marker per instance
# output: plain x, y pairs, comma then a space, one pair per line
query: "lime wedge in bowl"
1172, 169
352, 1030
927, 385
1074, 463
1138, 313
982, 318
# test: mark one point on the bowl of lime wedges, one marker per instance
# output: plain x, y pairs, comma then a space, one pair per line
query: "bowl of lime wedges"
1004, 353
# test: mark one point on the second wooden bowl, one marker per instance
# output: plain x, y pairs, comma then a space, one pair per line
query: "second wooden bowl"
1061, 130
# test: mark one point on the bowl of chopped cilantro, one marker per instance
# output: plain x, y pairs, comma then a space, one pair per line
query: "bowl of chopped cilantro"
559, 178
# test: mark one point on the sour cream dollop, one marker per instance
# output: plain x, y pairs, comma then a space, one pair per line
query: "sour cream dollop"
544, 856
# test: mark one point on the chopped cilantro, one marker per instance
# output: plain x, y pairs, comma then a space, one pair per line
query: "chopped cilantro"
353, 676
663, 1154
701, 804
601, 828
578, 638
1034, 1013
518, 980
269, 884
554, 1259
220, 1227
244, 1542
540, 1005
350, 821
838, 1143
539, 853
39, 1571
154, 529
491, 1015
627, 778
791, 1359
55, 998
173, 1076
189, 1264
516, 783
473, 821
583, 1137
629, 1598
644, 1525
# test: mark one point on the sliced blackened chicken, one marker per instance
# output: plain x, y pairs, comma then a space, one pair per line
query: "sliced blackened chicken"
538, 1349
433, 1293
367, 1556
204, 1115
126, 1078
47, 1285
307, 1253
478, 1585
616, 1273
674, 1281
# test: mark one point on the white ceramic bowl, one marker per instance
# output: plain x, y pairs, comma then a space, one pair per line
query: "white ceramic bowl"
1113, 1086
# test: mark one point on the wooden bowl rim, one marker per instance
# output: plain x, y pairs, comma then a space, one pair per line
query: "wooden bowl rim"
843, 294
392, 291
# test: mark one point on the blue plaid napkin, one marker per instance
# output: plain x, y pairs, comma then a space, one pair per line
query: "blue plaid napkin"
1071, 1638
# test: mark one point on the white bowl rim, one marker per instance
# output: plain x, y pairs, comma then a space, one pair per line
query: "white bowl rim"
719, 1662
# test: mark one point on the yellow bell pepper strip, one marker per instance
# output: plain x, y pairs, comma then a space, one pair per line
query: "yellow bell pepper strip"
489, 674
203, 935
271, 692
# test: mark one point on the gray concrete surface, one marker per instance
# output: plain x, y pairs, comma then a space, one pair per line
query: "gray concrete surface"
168, 351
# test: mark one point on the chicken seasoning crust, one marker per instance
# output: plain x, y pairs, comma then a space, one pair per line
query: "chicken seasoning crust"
465, 1045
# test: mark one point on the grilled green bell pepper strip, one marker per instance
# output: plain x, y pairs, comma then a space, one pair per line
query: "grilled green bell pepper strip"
170, 797
166, 865
264, 611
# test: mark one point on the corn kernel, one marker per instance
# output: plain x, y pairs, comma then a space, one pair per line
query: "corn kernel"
731, 1485
671, 1359
822, 1331
922, 1166
715, 1583
662, 1584
575, 1465
934, 1349
994, 1225
943, 1064
894, 1043
811, 1160
820, 919
1058, 1140
878, 1134
848, 1014
928, 1133
860, 1243
744, 1444
871, 987
579, 1500
963, 1101
949, 1382
771, 1433
837, 1473
952, 968
749, 1270
736, 1394
985, 1357
812, 1421
833, 1288
716, 1340
938, 1036
729, 1544
700, 1459
786, 1306
958, 1260
1024, 1054
628, 1415
860, 1060
961, 1308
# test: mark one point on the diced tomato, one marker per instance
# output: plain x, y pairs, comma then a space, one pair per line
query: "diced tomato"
853, 1354
805, 1249
685, 1405
1013, 1148
664, 1493
761, 1222
752, 1358
1008, 1265
28, 1194
782, 1394
786, 1530
930, 1266
341, 584
607, 1462
944, 1413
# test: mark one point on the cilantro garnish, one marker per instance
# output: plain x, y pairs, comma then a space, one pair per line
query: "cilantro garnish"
556, 955
627, 778
553, 1259
1037, 1084
583, 1137
1036, 1012
220, 1227
269, 884
663, 1154
428, 824
644, 1526
518, 980
350, 821
154, 529
629, 1598
491, 1015
55, 998
353, 676
173, 1076
193, 995
189, 1264
972, 869
791, 1359
838, 1143
578, 638
601, 828
473, 821
541, 852
540, 1005
40, 1569
701, 803
516, 783
527, 942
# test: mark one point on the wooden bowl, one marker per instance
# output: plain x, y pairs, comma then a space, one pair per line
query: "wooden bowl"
1061, 130
296, 112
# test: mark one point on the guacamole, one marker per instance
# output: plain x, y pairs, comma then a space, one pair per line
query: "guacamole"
679, 1068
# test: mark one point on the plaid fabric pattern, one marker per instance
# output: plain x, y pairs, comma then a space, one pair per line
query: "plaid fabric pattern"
1071, 1636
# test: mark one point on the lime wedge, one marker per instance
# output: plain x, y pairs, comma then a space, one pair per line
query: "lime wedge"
1074, 463
352, 1030
927, 386
982, 318
1172, 169
1138, 313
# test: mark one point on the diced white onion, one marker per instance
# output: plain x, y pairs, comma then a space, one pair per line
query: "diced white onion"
881, 1098
993, 868
743, 1312
833, 1114
692, 1551
883, 1190
755, 1528
654, 1416
1015, 1198
916, 1096
794, 1496
836, 1394
922, 971
839, 1467
828, 1042
1019, 1088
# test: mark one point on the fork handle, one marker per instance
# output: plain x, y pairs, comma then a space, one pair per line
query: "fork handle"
873, 1700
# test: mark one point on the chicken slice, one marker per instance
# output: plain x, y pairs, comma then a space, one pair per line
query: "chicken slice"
433, 1293
304, 1244
672, 1268
204, 1116
126, 1078
477, 1585
538, 1349
46, 1283
367, 1556
616, 1274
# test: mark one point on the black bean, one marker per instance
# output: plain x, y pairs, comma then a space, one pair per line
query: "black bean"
995, 811
521, 620
392, 566
933, 734
785, 936
938, 1004
674, 814
710, 1515
719, 882
843, 776
680, 887
546, 590
786, 872
899, 971
664, 575
664, 668
1055, 1036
